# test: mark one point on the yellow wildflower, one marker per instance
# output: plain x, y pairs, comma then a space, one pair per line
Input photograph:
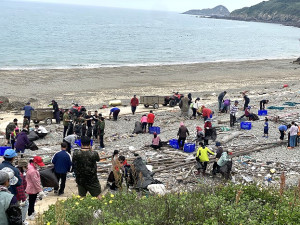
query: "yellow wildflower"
76, 203
105, 203
94, 198
81, 199
78, 196
112, 195
110, 201
48, 223
89, 207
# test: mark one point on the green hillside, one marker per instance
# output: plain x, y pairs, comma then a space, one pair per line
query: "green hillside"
277, 11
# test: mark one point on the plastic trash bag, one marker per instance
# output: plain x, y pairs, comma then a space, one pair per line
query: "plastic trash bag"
48, 178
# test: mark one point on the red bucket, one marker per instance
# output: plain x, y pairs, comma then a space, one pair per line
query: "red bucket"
285, 85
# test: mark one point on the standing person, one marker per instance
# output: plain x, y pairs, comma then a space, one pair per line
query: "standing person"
190, 98
207, 131
85, 168
115, 112
144, 121
195, 106
233, 113
89, 119
6, 198
206, 113
22, 141
246, 99
95, 121
202, 158
266, 128
282, 130
293, 135
182, 134
101, 126
150, 119
33, 183
156, 142
70, 142
9, 129
9, 157
27, 108
62, 165
134, 102
262, 104
184, 106
21, 195
13, 137
219, 152
220, 99
66, 120
56, 111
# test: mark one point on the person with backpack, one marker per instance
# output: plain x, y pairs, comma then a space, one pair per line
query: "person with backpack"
7, 199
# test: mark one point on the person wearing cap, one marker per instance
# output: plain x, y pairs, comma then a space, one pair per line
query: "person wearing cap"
6, 198
9, 129
33, 183
233, 113
156, 142
202, 158
85, 168
27, 108
195, 106
62, 165
56, 111
9, 157
21, 195
220, 99
182, 134
134, 102
199, 135
219, 152
225, 163
22, 141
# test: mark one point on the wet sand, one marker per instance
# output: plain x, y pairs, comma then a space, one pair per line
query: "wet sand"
95, 86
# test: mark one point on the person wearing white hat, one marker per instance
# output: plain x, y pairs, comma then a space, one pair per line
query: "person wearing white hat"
6, 198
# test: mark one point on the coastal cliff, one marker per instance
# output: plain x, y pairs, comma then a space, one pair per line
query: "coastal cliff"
220, 11
286, 12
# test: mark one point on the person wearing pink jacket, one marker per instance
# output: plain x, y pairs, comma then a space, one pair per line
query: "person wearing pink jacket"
144, 121
33, 183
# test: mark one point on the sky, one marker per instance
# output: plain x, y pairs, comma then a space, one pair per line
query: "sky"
162, 5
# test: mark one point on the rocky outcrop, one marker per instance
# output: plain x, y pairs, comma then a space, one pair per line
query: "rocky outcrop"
219, 11
297, 61
286, 12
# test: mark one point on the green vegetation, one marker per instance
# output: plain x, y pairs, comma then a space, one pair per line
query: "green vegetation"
270, 8
219, 205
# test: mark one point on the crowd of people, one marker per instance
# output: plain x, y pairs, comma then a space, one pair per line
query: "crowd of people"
20, 186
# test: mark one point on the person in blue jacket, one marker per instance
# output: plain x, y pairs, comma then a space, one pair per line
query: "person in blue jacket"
62, 165
115, 112
9, 157
282, 130
27, 108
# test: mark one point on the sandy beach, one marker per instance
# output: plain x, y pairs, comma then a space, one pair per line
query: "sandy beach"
95, 86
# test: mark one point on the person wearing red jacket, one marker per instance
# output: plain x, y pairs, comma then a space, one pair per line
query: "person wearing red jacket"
134, 103
150, 119
206, 113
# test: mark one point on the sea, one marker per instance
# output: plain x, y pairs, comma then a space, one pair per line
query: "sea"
59, 36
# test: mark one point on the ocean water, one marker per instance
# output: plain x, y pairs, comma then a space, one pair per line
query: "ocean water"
39, 35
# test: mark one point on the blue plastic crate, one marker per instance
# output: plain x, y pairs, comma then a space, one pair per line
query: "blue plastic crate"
246, 125
174, 143
154, 129
262, 112
189, 147
78, 142
3, 149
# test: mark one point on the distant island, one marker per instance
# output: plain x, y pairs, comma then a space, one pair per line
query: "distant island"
286, 12
219, 11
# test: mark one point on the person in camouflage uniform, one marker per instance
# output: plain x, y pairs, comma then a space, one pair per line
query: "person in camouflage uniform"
9, 129
85, 168
101, 127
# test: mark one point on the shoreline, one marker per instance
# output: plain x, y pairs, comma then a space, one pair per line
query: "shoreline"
99, 66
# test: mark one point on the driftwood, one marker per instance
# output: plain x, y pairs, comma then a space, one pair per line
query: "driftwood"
230, 137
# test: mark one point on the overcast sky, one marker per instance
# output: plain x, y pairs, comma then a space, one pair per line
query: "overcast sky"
165, 5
